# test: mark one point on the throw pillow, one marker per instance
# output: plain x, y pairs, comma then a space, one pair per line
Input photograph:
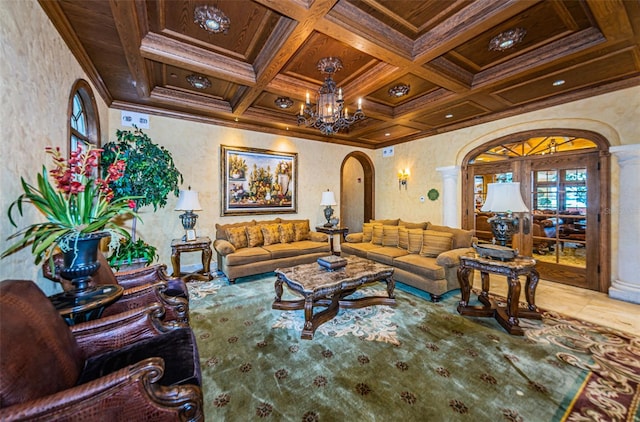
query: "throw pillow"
270, 233
254, 236
367, 232
237, 236
403, 238
287, 234
301, 231
435, 242
390, 236
376, 237
415, 240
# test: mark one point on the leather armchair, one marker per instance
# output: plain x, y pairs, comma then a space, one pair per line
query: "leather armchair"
142, 286
129, 366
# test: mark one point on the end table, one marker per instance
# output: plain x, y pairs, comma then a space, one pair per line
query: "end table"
202, 244
333, 231
77, 309
506, 316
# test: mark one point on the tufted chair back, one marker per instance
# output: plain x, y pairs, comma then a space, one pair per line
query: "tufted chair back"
31, 325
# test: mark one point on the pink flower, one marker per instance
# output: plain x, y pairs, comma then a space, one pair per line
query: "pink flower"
132, 204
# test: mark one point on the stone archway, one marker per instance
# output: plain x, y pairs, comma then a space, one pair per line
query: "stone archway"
366, 186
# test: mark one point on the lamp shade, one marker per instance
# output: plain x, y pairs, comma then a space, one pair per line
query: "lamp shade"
328, 198
504, 197
188, 201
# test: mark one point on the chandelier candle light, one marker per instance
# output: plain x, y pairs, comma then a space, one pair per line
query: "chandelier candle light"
330, 115
188, 202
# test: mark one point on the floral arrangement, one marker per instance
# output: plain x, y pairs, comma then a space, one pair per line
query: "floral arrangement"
80, 203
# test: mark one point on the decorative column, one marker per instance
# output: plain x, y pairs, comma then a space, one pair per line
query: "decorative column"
450, 215
627, 286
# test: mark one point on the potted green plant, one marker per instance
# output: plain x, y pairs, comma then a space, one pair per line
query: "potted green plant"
79, 210
150, 176
133, 254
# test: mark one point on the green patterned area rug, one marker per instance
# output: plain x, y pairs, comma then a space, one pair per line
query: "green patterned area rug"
419, 361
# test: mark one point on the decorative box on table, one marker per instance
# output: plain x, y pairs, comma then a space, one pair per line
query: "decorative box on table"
332, 262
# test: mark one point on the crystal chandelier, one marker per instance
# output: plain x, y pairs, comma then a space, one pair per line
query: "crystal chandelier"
330, 116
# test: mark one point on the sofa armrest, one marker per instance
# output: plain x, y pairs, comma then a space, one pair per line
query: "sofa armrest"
452, 258
354, 237
223, 247
318, 237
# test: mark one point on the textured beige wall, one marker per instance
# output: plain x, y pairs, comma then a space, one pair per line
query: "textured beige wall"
38, 72
195, 148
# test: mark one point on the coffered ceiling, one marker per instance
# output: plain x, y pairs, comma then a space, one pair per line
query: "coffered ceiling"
139, 54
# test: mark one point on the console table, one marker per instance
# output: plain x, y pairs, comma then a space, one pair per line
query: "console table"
202, 244
507, 317
86, 307
333, 231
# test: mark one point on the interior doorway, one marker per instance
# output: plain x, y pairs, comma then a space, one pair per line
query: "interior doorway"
357, 179
563, 176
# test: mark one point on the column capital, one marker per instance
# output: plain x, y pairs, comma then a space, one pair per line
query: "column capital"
449, 171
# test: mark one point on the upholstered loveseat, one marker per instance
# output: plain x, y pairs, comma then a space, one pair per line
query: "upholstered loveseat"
424, 255
256, 247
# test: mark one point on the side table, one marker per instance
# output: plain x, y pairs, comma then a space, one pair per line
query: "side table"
76, 309
331, 231
507, 317
202, 244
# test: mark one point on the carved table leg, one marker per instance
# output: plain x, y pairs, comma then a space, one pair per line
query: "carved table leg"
391, 285
278, 287
175, 262
484, 295
465, 287
530, 289
309, 328
206, 261
513, 298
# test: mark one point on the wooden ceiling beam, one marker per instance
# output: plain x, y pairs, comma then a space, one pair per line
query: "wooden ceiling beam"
128, 27
175, 53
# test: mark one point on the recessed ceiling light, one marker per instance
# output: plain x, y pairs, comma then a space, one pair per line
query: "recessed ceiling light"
448, 116
399, 90
507, 39
236, 119
387, 134
211, 19
558, 82
198, 81
283, 102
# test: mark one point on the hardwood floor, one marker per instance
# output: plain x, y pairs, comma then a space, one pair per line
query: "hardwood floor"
579, 303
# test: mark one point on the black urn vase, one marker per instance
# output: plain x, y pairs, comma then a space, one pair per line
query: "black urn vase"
81, 261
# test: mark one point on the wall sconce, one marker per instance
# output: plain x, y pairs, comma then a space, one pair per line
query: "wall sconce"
403, 177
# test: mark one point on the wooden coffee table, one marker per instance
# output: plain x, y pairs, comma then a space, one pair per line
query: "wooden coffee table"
329, 289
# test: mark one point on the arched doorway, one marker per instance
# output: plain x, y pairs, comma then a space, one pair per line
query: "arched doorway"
357, 189
564, 178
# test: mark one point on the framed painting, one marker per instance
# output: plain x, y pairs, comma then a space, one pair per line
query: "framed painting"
258, 181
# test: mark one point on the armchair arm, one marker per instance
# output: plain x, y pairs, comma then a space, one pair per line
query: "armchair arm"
318, 237
223, 247
452, 258
354, 237
116, 331
131, 393
176, 307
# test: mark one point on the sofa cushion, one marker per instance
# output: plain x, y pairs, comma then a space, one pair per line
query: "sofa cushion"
367, 231
376, 238
248, 256
254, 236
301, 230
390, 236
386, 254
282, 250
221, 229
309, 246
287, 235
409, 225
403, 238
435, 242
461, 238
355, 237
358, 249
237, 236
270, 233
420, 265
386, 222
223, 247
415, 240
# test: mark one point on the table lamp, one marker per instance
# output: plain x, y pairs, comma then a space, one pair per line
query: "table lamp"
188, 202
328, 200
504, 199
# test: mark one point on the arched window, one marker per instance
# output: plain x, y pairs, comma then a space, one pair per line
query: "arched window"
84, 127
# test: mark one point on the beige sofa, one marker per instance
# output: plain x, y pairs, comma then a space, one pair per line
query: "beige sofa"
424, 255
256, 247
